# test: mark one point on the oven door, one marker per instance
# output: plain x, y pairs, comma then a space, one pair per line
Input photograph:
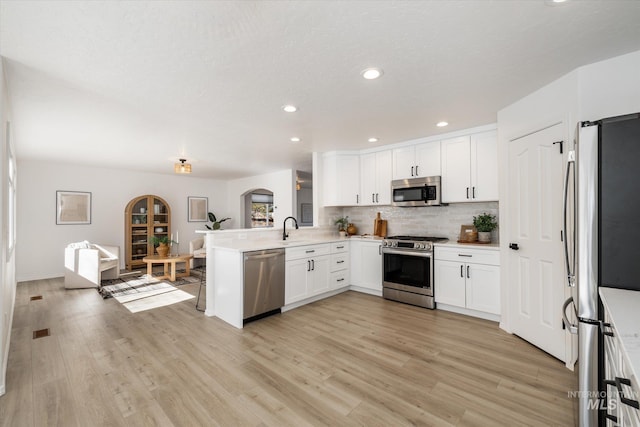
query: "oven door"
408, 271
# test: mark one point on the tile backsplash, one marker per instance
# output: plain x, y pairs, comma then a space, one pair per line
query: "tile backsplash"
440, 221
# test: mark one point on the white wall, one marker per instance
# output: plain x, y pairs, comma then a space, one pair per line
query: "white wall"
40, 245
281, 183
7, 263
610, 88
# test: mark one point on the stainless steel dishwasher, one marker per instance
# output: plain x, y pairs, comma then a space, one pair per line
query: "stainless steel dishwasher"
263, 283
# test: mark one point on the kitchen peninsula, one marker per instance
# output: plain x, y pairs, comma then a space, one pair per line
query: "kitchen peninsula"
316, 268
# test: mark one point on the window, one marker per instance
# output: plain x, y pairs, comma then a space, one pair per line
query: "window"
261, 210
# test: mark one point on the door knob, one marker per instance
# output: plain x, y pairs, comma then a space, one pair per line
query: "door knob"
514, 246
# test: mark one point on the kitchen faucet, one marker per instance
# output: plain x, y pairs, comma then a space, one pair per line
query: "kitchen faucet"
284, 227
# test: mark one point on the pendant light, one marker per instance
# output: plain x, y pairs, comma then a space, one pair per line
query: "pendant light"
182, 167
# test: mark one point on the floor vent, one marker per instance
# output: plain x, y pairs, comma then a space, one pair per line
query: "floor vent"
36, 297
41, 333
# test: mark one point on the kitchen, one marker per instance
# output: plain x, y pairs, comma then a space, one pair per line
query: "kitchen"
590, 92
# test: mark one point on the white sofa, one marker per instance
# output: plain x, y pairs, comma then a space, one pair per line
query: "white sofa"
86, 264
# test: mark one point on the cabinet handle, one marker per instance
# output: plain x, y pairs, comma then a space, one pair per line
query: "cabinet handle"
465, 255
467, 192
310, 251
468, 277
340, 280
462, 271
411, 170
357, 199
373, 197
417, 174
340, 247
340, 262
313, 265
308, 265
377, 201
473, 192
379, 249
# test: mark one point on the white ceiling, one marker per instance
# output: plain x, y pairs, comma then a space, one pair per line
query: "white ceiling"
139, 84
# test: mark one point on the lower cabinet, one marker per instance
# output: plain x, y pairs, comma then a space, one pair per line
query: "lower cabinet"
618, 379
467, 278
306, 272
366, 265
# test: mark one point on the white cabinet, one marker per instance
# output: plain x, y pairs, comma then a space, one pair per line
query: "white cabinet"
341, 179
470, 168
619, 379
366, 266
339, 267
467, 278
418, 160
306, 272
375, 178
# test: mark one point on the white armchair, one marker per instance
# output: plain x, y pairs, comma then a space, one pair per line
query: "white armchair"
199, 252
86, 264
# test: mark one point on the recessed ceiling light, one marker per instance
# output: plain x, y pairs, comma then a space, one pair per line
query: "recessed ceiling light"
371, 73
290, 108
555, 2
295, 139
442, 124
372, 139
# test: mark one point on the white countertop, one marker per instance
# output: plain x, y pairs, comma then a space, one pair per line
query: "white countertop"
248, 245
624, 307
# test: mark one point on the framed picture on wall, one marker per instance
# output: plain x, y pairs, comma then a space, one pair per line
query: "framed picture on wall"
73, 207
198, 208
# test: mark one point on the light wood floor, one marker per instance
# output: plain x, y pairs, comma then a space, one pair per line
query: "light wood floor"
352, 359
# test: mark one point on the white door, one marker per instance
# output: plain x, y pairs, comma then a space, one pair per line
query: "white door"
371, 255
483, 287
534, 211
319, 277
295, 288
368, 182
428, 159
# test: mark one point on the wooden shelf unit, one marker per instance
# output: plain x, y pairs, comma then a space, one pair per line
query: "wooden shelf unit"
144, 216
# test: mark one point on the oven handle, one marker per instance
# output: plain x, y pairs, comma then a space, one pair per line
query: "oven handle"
409, 253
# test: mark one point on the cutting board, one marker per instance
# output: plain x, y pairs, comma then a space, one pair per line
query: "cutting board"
379, 226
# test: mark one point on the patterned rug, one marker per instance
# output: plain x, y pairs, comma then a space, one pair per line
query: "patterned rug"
139, 293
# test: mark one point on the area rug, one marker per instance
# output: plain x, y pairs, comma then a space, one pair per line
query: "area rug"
144, 292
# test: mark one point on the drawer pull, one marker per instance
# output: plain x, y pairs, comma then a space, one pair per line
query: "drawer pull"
310, 251
340, 247
465, 255
340, 280
340, 262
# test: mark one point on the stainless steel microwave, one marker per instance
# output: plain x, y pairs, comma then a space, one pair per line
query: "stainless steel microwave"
416, 191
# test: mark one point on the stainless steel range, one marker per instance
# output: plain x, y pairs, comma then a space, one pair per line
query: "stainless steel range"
407, 269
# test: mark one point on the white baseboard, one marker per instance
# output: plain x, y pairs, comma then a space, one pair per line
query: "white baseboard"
314, 299
468, 312
369, 291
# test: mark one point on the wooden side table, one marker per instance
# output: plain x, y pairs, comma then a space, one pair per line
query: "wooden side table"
169, 261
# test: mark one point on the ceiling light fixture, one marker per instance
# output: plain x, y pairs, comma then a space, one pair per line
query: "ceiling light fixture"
372, 73
295, 139
182, 167
442, 124
372, 139
290, 108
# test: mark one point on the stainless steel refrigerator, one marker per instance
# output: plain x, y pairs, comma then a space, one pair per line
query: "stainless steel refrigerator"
602, 237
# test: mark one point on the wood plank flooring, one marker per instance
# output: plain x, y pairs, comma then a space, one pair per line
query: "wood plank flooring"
352, 359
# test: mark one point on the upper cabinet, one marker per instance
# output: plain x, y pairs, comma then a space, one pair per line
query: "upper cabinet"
418, 160
341, 179
470, 168
375, 178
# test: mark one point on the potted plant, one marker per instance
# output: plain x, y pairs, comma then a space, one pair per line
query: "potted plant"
485, 224
162, 244
215, 224
342, 223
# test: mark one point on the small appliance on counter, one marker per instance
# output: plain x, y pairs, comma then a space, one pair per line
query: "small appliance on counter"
407, 269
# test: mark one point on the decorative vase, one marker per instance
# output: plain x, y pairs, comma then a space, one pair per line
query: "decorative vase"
342, 233
352, 229
484, 236
163, 250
